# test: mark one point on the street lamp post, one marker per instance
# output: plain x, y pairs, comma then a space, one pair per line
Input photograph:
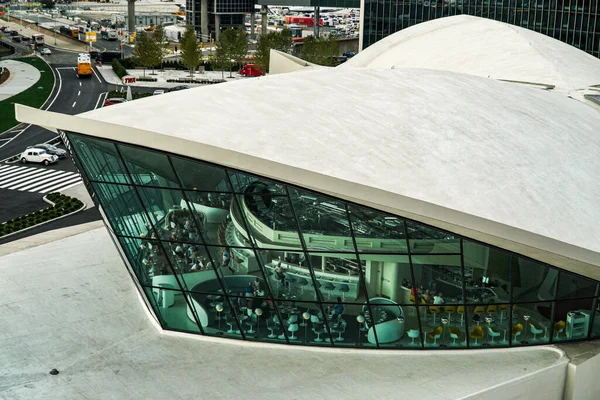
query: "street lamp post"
54, 27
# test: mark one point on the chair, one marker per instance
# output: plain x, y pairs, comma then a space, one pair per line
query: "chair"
251, 322
535, 330
476, 333
344, 289
328, 287
479, 310
230, 321
303, 283
293, 328
558, 328
413, 334
460, 310
293, 319
493, 334
516, 331
502, 308
454, 334
318, 329
435, 310
491, 309
450, 310
435, 334
341, 328
272, 326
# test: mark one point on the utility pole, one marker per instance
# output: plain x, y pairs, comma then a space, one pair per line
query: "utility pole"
263, 20
131, 16
316, 20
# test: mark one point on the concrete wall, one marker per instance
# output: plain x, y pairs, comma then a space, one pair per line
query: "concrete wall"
582, 376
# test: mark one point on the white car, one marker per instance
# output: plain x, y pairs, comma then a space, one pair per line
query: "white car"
45, 51
158, 91
38, 156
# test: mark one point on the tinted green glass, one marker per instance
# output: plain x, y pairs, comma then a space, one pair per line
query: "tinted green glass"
375, 231
427, 240
533, 281
148, 167
172, 308
573, 286
572, 319
147, 258
99, 159
196, 175
531, 323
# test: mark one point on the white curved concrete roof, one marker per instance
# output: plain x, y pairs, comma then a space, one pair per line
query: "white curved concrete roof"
504, 163
486, 48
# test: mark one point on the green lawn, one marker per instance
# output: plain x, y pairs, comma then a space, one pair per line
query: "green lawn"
35, 96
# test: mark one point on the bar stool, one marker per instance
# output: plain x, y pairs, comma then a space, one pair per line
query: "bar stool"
328, 287
302, 282
344, 289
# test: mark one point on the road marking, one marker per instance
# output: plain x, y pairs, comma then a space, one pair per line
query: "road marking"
58, 91
75, 181
78, 93
1, 140
13, 169
31, 182
100, 102
18, 131
19, 177
16, 136
74, 104
96, 75
52, 185
79, 83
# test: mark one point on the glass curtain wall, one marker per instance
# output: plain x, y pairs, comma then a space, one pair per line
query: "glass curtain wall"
575, 23
225, 253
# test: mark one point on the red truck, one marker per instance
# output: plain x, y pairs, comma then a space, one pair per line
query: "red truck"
250, 70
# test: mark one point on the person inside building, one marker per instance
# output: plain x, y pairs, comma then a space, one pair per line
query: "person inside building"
439, 299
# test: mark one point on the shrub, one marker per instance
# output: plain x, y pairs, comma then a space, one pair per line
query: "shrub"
118, 68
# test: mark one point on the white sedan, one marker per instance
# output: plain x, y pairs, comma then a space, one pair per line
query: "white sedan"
45, 51
38, 156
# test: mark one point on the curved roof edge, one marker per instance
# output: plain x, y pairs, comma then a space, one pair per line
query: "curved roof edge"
282, 63
567, 256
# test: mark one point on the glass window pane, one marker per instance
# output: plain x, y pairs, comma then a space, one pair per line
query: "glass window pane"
573, 317
170, 214
247, 183
216, 313
531, 323
146, 257
338, 276
438, 275
323, 221
270, 219
99, 159
426, 240
196, 175
533, 281
148, 167
487, 267
194, 267
172, 309
573, 286
123, 209
388, 276
289, 274
382, 322
375, 231
219, 218
596, 323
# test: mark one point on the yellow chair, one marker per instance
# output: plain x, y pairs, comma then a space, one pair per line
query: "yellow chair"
435, 335
491, 309
476, 333
558, 328
450, 310
455, 333
461, 311
412, 299
435, 310
503, 308
479, 310
516, 331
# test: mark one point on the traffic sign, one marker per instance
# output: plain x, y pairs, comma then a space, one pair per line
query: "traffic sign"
90, 37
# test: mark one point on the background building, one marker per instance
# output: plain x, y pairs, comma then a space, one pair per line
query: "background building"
210, 16
576, 23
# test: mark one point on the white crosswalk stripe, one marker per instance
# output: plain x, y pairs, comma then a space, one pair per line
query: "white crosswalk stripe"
39, 180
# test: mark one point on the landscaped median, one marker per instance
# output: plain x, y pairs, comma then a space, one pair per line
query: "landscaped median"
35, 96
61, 206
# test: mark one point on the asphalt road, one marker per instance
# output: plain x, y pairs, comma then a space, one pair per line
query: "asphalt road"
71, 95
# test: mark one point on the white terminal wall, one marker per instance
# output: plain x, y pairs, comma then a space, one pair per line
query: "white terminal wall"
503, 163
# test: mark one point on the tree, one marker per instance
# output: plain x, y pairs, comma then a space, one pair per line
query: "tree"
146, 51
47, 3
277, 40
162, 41
191, 55
320, 51
232, 47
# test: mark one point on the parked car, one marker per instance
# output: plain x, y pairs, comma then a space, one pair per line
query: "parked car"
349, 54
14, 33
45, 51
114, 100
38, 156
250, 70
181, 87
50, 149
16, 39
158, 91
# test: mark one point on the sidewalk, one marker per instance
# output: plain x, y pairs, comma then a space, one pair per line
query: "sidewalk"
22, 77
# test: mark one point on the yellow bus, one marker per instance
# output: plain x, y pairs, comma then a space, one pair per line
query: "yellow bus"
84, 66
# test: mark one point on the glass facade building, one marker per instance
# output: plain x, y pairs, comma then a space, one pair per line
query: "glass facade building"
574, 22
221, 252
